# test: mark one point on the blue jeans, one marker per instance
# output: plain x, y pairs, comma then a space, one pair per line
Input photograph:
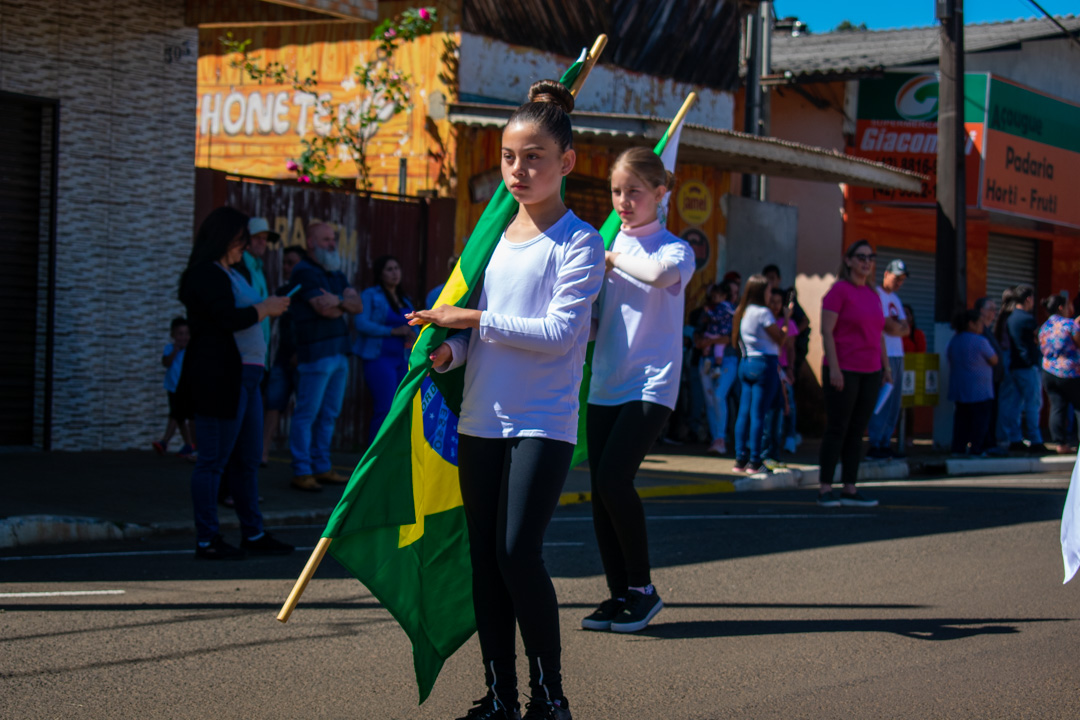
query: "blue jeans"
319, 394
717, 390
382, 377
1021, 399
220, 438
883, 424
760, 380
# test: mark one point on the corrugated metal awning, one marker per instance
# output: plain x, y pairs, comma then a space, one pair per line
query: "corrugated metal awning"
733, 151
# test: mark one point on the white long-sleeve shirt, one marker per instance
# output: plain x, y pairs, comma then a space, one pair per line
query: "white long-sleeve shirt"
638, 351
524, 364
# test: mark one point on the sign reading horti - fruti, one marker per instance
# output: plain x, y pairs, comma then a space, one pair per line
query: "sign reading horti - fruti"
920, 383
1032, 165
250, 128
897, 125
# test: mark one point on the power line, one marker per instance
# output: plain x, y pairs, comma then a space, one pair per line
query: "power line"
1054, 20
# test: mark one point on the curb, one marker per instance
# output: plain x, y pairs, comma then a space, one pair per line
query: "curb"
50, 529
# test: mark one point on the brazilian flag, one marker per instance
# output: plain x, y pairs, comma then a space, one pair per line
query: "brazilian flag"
400, 526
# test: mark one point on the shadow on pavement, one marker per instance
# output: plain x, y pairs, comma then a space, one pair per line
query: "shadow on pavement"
917, 629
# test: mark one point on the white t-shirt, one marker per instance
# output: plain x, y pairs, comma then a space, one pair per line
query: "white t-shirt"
524, 365
892, 308
638, 351
755, 339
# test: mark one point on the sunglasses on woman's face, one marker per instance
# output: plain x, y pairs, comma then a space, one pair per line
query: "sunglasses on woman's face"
864, 257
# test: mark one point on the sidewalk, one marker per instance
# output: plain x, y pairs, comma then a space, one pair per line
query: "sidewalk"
64, 497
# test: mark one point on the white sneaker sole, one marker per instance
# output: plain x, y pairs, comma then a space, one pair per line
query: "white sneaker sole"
641, 624
588, 624
858, 503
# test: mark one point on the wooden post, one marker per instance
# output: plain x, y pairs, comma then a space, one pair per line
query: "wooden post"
681, 115
302, 581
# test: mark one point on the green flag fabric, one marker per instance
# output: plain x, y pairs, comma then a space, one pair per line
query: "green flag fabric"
667, 148
399, 527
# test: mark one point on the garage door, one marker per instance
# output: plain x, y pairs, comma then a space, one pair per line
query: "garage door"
1010, 261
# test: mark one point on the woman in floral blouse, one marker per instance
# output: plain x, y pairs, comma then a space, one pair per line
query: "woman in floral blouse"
1059, 342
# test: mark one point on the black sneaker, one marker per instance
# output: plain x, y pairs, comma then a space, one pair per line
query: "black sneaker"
1018, 447
489, 708
638, 611
603, 615
757, 469
539, 709
218, 549
828, 499
266, 545
855, 499
1038, 449
739, 466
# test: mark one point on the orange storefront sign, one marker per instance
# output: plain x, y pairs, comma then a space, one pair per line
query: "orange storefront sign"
1032, 164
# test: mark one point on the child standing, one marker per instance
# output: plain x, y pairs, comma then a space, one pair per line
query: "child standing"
180, 416
525, 344
635, 383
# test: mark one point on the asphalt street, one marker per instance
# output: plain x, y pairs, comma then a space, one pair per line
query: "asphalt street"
945, 602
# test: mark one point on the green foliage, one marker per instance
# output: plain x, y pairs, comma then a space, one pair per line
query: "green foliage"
342, 131
847, 25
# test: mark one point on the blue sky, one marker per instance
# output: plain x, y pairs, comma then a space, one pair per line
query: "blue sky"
824, 15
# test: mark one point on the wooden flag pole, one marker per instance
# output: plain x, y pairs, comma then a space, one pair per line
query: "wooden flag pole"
590, 61
302, 581
681, 115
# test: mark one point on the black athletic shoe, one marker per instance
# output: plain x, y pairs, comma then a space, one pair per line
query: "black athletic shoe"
828, 499
490, 708
757, 469
856, 499
218, 549
603, 615
539, 709
638, 611
1039, 449
1018, 447
266, 545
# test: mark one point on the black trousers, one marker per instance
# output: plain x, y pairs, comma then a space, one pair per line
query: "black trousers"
971, 422
619, 437
1062, 392
510, 489
847, 414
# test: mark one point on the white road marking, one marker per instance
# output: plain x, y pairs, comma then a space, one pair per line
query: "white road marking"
762, 516
61, 593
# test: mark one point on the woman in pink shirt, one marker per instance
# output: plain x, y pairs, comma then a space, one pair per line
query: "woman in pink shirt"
855, 366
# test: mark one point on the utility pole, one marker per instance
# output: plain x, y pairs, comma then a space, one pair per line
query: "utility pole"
951, 260
950, 275
751, 184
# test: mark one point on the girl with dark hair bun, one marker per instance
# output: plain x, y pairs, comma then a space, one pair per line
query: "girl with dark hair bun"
525, 342
385, 337
856, 364
223, 368
1059, 341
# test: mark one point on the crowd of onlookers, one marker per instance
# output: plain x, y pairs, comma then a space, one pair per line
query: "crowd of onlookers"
232, 377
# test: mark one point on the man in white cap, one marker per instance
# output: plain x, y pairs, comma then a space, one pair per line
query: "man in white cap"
883, 424
260, 233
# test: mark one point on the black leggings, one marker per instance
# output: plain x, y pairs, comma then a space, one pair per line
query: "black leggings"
618, 517
1062, 393
510, 489
847, 414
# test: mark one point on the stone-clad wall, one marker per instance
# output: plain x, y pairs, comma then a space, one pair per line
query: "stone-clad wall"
124, 72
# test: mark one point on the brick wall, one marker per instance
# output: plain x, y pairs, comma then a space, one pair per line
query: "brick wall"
124, 73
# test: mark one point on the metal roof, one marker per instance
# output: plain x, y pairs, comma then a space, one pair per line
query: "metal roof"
693, 41
852, 53
730, 150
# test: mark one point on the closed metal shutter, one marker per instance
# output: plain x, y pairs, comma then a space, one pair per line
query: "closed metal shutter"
918, 290
1010, 261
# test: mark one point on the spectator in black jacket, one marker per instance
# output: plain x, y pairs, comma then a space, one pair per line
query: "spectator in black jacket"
223, 367
1021, 398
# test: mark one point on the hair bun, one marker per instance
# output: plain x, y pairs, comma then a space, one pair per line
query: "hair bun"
554, 92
